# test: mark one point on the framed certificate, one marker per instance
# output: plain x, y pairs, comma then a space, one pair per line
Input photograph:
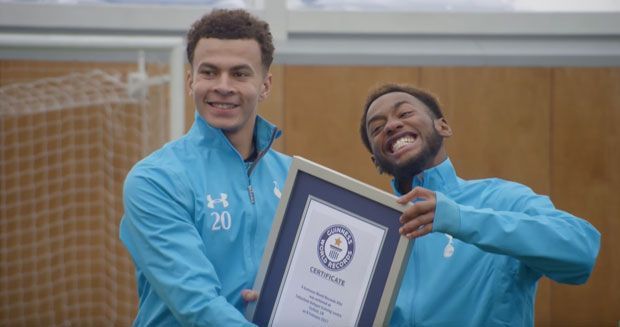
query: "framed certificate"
334, 256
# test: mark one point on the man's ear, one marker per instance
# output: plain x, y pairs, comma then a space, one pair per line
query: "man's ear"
265, 88
189, 82
442, 127
374, 162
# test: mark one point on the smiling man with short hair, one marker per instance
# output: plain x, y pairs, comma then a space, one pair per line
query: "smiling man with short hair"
199, 210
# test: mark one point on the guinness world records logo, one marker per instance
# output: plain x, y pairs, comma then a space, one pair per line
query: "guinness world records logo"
336, 247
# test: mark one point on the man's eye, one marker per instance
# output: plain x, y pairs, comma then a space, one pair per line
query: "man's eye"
405, 114
241, 74
374, 130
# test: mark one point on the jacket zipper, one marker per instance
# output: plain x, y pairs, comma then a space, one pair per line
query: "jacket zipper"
253, 165
251, 193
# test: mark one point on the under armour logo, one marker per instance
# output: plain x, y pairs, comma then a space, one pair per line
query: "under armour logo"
223, 200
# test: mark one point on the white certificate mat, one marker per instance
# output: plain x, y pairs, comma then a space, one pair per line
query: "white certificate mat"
329, 274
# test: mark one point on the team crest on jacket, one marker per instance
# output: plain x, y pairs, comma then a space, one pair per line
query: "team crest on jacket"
276, 190
336, 247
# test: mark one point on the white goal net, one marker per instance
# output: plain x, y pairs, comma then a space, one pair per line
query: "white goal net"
69, 133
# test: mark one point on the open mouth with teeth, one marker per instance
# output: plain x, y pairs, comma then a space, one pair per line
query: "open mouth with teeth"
222, 105
399, 142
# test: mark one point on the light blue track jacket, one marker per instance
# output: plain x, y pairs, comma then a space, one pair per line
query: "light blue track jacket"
491, 242
196, 221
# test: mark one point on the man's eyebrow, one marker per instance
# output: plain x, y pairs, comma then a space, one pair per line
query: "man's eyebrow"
245, 69
394, 107
207, 65
243, 66
373, 118
399, 103
212, 66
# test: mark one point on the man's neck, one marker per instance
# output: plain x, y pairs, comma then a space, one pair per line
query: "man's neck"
243, 141
403, 184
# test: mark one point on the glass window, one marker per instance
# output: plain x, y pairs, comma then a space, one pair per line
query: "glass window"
458, 5
248, 4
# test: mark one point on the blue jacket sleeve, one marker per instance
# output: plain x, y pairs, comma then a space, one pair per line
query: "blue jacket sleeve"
526, 226
159, 233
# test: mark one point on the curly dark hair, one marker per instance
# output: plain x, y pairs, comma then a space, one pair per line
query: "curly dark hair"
425, 97
232, 24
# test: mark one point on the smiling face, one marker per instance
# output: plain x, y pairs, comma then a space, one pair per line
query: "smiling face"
405, 137
227, 82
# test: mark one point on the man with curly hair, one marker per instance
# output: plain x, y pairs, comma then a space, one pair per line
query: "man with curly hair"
480, 245
198, 211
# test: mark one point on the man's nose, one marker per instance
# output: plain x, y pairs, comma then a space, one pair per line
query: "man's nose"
393, 125
223, 85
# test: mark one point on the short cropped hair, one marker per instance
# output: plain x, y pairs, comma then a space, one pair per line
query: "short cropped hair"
232, 24
425, 97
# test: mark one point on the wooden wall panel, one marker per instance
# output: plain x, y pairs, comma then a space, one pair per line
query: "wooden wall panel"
585, 181
500, 120
323, 108
272, 108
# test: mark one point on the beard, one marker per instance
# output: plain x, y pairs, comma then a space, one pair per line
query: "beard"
414, 165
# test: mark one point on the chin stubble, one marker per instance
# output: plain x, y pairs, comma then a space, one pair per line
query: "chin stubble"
416, 164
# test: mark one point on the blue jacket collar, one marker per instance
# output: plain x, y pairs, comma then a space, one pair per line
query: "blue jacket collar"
439, 178
201, 132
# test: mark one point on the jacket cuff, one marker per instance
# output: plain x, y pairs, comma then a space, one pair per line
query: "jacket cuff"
447, 215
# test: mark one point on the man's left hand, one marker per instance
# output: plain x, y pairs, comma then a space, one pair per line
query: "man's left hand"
249, 295
418, 219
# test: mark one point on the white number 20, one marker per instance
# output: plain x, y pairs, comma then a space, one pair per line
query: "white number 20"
222, 221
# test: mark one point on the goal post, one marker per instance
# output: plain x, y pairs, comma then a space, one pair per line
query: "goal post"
173, 46
76, 113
